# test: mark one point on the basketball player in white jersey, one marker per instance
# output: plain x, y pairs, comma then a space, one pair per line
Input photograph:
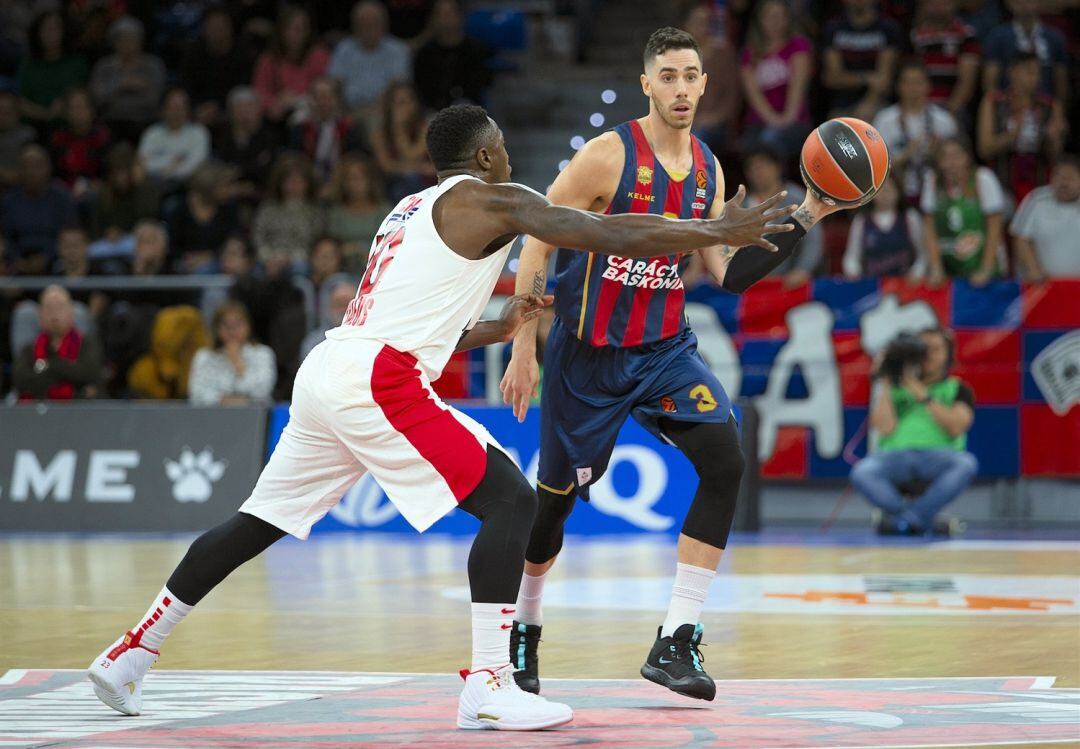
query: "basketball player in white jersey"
363, 402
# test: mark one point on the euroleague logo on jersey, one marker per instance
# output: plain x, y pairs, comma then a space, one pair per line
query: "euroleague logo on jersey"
702, 179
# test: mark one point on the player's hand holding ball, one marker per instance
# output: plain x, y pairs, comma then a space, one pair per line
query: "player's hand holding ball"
844, 163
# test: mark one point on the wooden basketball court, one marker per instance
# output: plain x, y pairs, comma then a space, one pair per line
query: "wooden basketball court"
784, 608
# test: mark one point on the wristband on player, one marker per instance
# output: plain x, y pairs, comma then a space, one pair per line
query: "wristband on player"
751, 264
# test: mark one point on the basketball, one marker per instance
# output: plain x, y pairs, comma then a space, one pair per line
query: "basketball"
844, 161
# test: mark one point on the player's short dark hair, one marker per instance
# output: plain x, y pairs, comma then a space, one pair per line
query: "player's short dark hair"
669, 38
455, 134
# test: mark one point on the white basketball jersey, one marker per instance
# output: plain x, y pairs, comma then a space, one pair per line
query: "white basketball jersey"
418, 296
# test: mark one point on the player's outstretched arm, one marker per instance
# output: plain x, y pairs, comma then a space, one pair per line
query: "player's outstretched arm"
523, 211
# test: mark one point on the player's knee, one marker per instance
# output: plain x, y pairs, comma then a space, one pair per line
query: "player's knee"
546, 539
722, 470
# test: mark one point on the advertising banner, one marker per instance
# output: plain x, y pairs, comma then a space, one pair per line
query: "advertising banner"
125, 467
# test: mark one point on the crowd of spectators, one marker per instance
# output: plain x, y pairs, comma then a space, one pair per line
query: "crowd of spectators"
266, 141
260, 140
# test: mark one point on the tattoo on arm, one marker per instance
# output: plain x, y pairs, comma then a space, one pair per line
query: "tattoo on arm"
539, 282
804, 217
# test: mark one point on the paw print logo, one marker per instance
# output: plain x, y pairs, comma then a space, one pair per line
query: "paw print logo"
193, 475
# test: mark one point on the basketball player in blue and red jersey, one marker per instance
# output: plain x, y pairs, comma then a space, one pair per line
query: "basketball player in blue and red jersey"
620, 346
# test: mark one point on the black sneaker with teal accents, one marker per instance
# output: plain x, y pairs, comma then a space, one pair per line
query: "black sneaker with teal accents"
524, 640
675, 662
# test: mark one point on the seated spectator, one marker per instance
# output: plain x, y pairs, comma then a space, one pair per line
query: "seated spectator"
923, 419
357, 208
764, 178
125, 198
151, 254
78, 145
62, 363
370, 60
171, 150
236, 371
963, 206
285, 71
325, 262
341, 293
33, 212
50, 70
1020, 130
399, 143
236, 259
1047, 224
450, 67
163, 372
247, 142
885, 238
775, 71
950, 52
912, 128
1026, 34
861, 50
73, 262
214, 65
289, 220
203, 221
326, 132
13, 136
128, 84
719, 107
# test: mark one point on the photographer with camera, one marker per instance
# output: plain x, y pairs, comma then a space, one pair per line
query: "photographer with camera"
922, 416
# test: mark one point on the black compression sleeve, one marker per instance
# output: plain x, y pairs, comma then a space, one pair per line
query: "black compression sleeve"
751, 264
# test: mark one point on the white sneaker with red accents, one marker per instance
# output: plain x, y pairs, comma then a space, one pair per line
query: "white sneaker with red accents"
492, 700
118, 672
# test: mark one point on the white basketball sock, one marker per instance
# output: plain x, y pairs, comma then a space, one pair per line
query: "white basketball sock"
528, 602
687, 597
491, 625
164, 613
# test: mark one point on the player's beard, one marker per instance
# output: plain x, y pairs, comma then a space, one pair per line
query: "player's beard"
668, 116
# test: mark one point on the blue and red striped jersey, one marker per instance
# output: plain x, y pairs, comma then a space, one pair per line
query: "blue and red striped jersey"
607, 300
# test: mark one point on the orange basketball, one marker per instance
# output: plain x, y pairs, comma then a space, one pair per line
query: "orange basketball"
845, 161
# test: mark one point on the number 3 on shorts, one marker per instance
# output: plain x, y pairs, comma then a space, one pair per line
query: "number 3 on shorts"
706, 401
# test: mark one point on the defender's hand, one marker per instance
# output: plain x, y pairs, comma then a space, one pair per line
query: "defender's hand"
519, 384
740, 227
520, 309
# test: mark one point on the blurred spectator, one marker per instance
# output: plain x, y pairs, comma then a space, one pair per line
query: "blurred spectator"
62, 363
151, 253
73, 258
327, 131
128, 84
214, 65
399, 143
171, 150
236, 260
1047, 224
288, 221
285, 71
357, 208
923, 419
950, 51
370, 60
124, 199
963, 206
764, 178
33, 212
1020, 130
325, 262
1027, 34
247, 142
50, 69
720, 106
775, 69
860, 56
450, 67
341, 293
235, 371
204, 221
981, 15
885, 238
78, 145
13, 136
912, 127
178, 334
